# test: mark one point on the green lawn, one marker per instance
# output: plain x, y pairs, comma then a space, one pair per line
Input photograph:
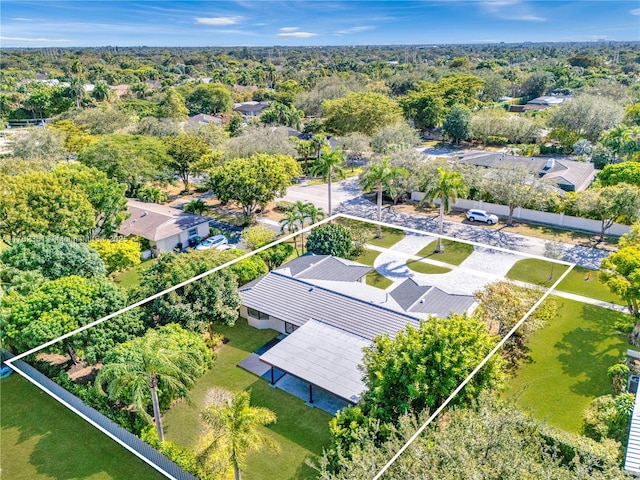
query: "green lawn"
454, 252
368, 257
378, 280
300, 431
131, 278
43, 440
580, 281
390, 236
568, 363
423, 267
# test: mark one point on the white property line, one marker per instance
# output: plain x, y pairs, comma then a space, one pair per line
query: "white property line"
473, 373
247, 255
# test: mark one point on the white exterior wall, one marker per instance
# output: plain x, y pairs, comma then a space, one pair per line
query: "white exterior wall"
273, 322
168, 244
535, 216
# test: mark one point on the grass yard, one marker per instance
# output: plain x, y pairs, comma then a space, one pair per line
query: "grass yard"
378, 280
580, 281
131, 278
569, 358
368, 257
390, 236
423, 267
43, 440
454, 252
301, 432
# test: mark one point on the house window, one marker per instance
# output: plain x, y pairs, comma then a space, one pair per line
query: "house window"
193, 232
289, 327
257, 314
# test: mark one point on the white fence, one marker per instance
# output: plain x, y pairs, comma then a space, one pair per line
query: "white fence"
554, 219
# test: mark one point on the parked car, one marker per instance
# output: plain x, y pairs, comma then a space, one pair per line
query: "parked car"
217, 241
481, 216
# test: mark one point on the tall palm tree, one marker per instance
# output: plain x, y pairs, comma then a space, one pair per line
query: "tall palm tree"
233, 425
304, 212
448, 188
291, 222
327, 165
379, 177
101, 91
150, 367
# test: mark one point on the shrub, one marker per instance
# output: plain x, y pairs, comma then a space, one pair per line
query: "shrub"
257, 236
608, 417
117, 255
497, 141
619, 375
330, 239
284, 206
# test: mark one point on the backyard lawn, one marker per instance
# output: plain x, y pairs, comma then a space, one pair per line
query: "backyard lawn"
580, 281
132, 277
454, 252
43, 440
301, 431
568, 363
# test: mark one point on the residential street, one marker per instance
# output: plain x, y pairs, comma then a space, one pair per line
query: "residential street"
347, 198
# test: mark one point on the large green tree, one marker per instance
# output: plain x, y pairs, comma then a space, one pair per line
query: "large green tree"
327, 165
232, 426
626, 172
378, 177
457, 123
330, 239
173, 106
157, 368
254, 181
211, 98
364, 112
448, 187
616, 203
186, 153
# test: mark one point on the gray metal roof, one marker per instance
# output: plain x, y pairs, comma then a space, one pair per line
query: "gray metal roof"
428, 299
324, 356
325, 267
297, 301
632, 458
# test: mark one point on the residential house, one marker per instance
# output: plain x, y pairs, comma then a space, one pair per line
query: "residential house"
202, 119
250, 109
541, 103
329, 314
165, 227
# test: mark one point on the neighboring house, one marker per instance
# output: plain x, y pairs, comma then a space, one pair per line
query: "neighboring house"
120, 90
569, 175
541, 103
165, 227
203, 118
250, 109
330, 314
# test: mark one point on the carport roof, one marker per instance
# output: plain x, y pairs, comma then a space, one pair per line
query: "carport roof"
324, 356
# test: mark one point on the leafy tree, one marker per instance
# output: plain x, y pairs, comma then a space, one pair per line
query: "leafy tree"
632, 114
232, 425
102, 121
621, 272
254, 181
186, 152
105, 195
616, 203
448, 187
212, 135
537, 84
259, 139
159, 367
130, 159
196, 206
210, 98
53, 257
424, 106
515, 186
40, 144
280, 114
60, 306
364, 112
587, 115
609, 417
622, 141
75, 138
379, 177
626, 172
327, 165
173, 106
118, 255
330, 239
395, 138
39, 203
275, 256
457, 123
257, 236
153, 127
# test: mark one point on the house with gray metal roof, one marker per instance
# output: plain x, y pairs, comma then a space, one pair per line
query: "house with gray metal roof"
329, 314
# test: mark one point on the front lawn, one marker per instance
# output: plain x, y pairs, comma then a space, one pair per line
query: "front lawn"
368, 257
424, 267
390, 236
454, 253
536, 271
301, 431
43, 440
569, 358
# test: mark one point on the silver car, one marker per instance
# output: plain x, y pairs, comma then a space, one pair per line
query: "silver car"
481, 216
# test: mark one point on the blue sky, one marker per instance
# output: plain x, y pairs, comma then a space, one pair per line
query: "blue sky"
52, 23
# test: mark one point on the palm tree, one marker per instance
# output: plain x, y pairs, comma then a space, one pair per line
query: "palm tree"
291, 222
232, 425
196, 206
379, 177
151, 367
327, 166
101, 91
304, 212
448, 188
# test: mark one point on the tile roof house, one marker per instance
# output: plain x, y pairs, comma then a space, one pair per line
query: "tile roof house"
541, 103
329, 313
569, 175
165, 227
250, 109
202, 119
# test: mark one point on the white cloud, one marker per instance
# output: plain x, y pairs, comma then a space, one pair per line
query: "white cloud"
22, 19
526, 18
348, 31
218, 21
26, 39
635, 11
289, 29
297, 34
511, 10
